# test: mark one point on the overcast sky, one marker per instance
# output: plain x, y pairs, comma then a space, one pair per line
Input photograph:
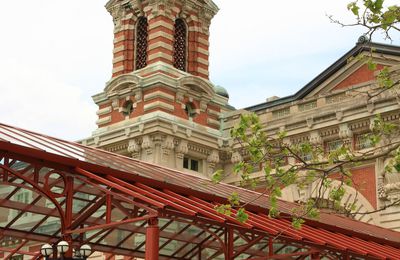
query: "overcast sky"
54, 55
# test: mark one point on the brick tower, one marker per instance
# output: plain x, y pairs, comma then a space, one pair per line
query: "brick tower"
159, 105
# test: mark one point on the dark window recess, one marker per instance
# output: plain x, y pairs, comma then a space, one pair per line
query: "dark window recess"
191, 164
180, 45
186, 163
190, 110
141, 43
127, 108
194, 165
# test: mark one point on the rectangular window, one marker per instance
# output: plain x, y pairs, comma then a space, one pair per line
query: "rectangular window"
191, 164
281, 113
307, 106
333, 145
363, 141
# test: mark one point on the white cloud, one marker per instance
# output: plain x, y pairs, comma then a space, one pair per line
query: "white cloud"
56, 54
33, 98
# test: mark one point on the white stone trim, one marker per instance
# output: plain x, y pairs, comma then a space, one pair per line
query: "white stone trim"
160, 44
103, 111
118, 69
159, 55
203, 41
161, 34
161, 24
159, 104
213, 112
119, 39
119, 49
118, 59
202, 71
203, 61
213, 122
104, 120
203, 51
159, 94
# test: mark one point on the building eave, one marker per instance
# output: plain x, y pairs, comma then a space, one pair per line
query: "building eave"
342, 61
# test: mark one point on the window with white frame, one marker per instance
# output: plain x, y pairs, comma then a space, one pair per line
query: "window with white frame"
192, 164
333, 145
363, 141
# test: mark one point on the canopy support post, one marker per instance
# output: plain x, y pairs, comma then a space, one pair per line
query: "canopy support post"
152, 239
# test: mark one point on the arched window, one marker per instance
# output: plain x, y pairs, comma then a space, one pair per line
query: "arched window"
180, 44
141, 42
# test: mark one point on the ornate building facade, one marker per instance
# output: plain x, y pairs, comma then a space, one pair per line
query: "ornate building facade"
160, 107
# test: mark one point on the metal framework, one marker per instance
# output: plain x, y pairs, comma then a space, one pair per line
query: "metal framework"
52, 190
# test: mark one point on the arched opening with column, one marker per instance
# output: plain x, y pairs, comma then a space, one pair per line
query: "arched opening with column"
352, 197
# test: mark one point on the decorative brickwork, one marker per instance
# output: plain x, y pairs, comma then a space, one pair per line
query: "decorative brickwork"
180, 42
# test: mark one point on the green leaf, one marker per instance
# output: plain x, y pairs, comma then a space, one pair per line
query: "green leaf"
217, 176
241, 215
371, 65
225, 209
354, 8
297, 223
234, 199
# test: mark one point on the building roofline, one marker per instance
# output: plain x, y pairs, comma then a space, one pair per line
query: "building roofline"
324, 75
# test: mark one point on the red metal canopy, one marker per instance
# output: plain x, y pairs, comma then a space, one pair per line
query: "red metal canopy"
52, 189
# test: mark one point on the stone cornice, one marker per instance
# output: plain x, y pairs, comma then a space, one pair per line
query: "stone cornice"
155, 122
162, 74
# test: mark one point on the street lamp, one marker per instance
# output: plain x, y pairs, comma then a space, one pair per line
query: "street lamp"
62, 247
85, 251
46, 250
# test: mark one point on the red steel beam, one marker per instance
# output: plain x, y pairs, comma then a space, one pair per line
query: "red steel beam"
119, 187
108, 225
242, 249
23, 242
23, 252
143, 189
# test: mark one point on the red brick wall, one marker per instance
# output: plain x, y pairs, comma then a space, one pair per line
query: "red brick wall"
365, 182
361, 75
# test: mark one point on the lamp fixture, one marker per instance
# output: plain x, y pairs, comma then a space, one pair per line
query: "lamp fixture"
62, 247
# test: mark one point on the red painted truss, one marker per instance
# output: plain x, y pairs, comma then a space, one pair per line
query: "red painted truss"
52, 190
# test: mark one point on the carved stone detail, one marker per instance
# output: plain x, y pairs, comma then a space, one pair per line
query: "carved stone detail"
147, 144
345, 132
213, 157
168, 145
310, 121
182, 149
134, 148
339, 115
236, 157
315, 138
